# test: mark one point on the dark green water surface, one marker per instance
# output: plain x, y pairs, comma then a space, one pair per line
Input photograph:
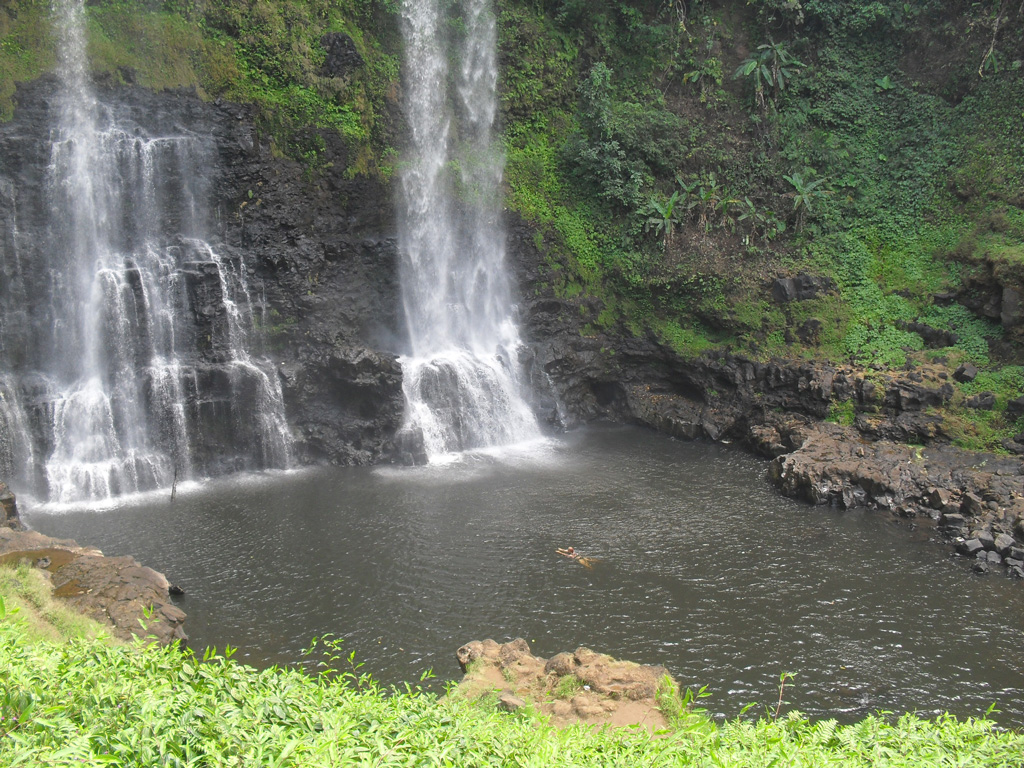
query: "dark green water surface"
700, 567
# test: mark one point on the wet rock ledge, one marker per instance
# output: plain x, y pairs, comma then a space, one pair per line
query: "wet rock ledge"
116, 591
578, 687
975, 499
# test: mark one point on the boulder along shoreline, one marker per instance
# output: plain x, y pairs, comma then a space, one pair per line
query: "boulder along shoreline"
131, 599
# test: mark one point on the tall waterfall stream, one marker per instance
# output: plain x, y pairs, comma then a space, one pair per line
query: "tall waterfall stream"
462, 377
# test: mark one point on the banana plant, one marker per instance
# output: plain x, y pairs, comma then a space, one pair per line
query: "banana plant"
771, 67
761, 224
726, 211
807, 196
687, 197
663, 216
709, 197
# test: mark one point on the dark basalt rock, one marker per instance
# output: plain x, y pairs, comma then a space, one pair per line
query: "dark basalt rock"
986, 538
1015, 407
934, 338
907, 395
1003, 543
1011, 310
953, 521
9, 509
342, 56
809, 332
969, 547
966, 373
801, 288
353, 403
971, 505
985, 401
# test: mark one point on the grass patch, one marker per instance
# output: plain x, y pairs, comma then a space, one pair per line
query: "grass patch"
688, 342
980, 429
27, 601
267, 54
568, 686
26, 47
842, 412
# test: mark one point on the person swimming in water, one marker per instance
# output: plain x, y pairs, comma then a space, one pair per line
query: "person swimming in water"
572, 554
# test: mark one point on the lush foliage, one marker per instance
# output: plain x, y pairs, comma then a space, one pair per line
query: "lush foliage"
674, 156
87, 702
849, 143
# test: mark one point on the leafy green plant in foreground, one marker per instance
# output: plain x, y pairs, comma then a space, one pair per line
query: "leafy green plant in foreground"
662, 217
807, 196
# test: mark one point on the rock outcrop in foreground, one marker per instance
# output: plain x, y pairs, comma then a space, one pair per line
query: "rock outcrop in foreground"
579, 687
131, 599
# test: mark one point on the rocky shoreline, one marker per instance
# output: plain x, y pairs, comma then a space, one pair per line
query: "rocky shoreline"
131, 599
894, 456
975, 500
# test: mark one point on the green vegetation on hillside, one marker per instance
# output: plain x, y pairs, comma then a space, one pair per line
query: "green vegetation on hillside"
679, 156
89, 702
252, 51
657, 177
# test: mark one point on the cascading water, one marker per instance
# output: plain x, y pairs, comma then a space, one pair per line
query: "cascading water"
462, 378
128, 336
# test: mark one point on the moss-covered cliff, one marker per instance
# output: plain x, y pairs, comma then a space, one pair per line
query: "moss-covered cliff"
309, 66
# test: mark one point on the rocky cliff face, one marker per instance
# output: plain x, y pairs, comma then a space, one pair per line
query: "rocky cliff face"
325, 249
318, 252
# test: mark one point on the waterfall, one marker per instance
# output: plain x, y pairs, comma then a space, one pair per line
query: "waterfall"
135, 337
463, 381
